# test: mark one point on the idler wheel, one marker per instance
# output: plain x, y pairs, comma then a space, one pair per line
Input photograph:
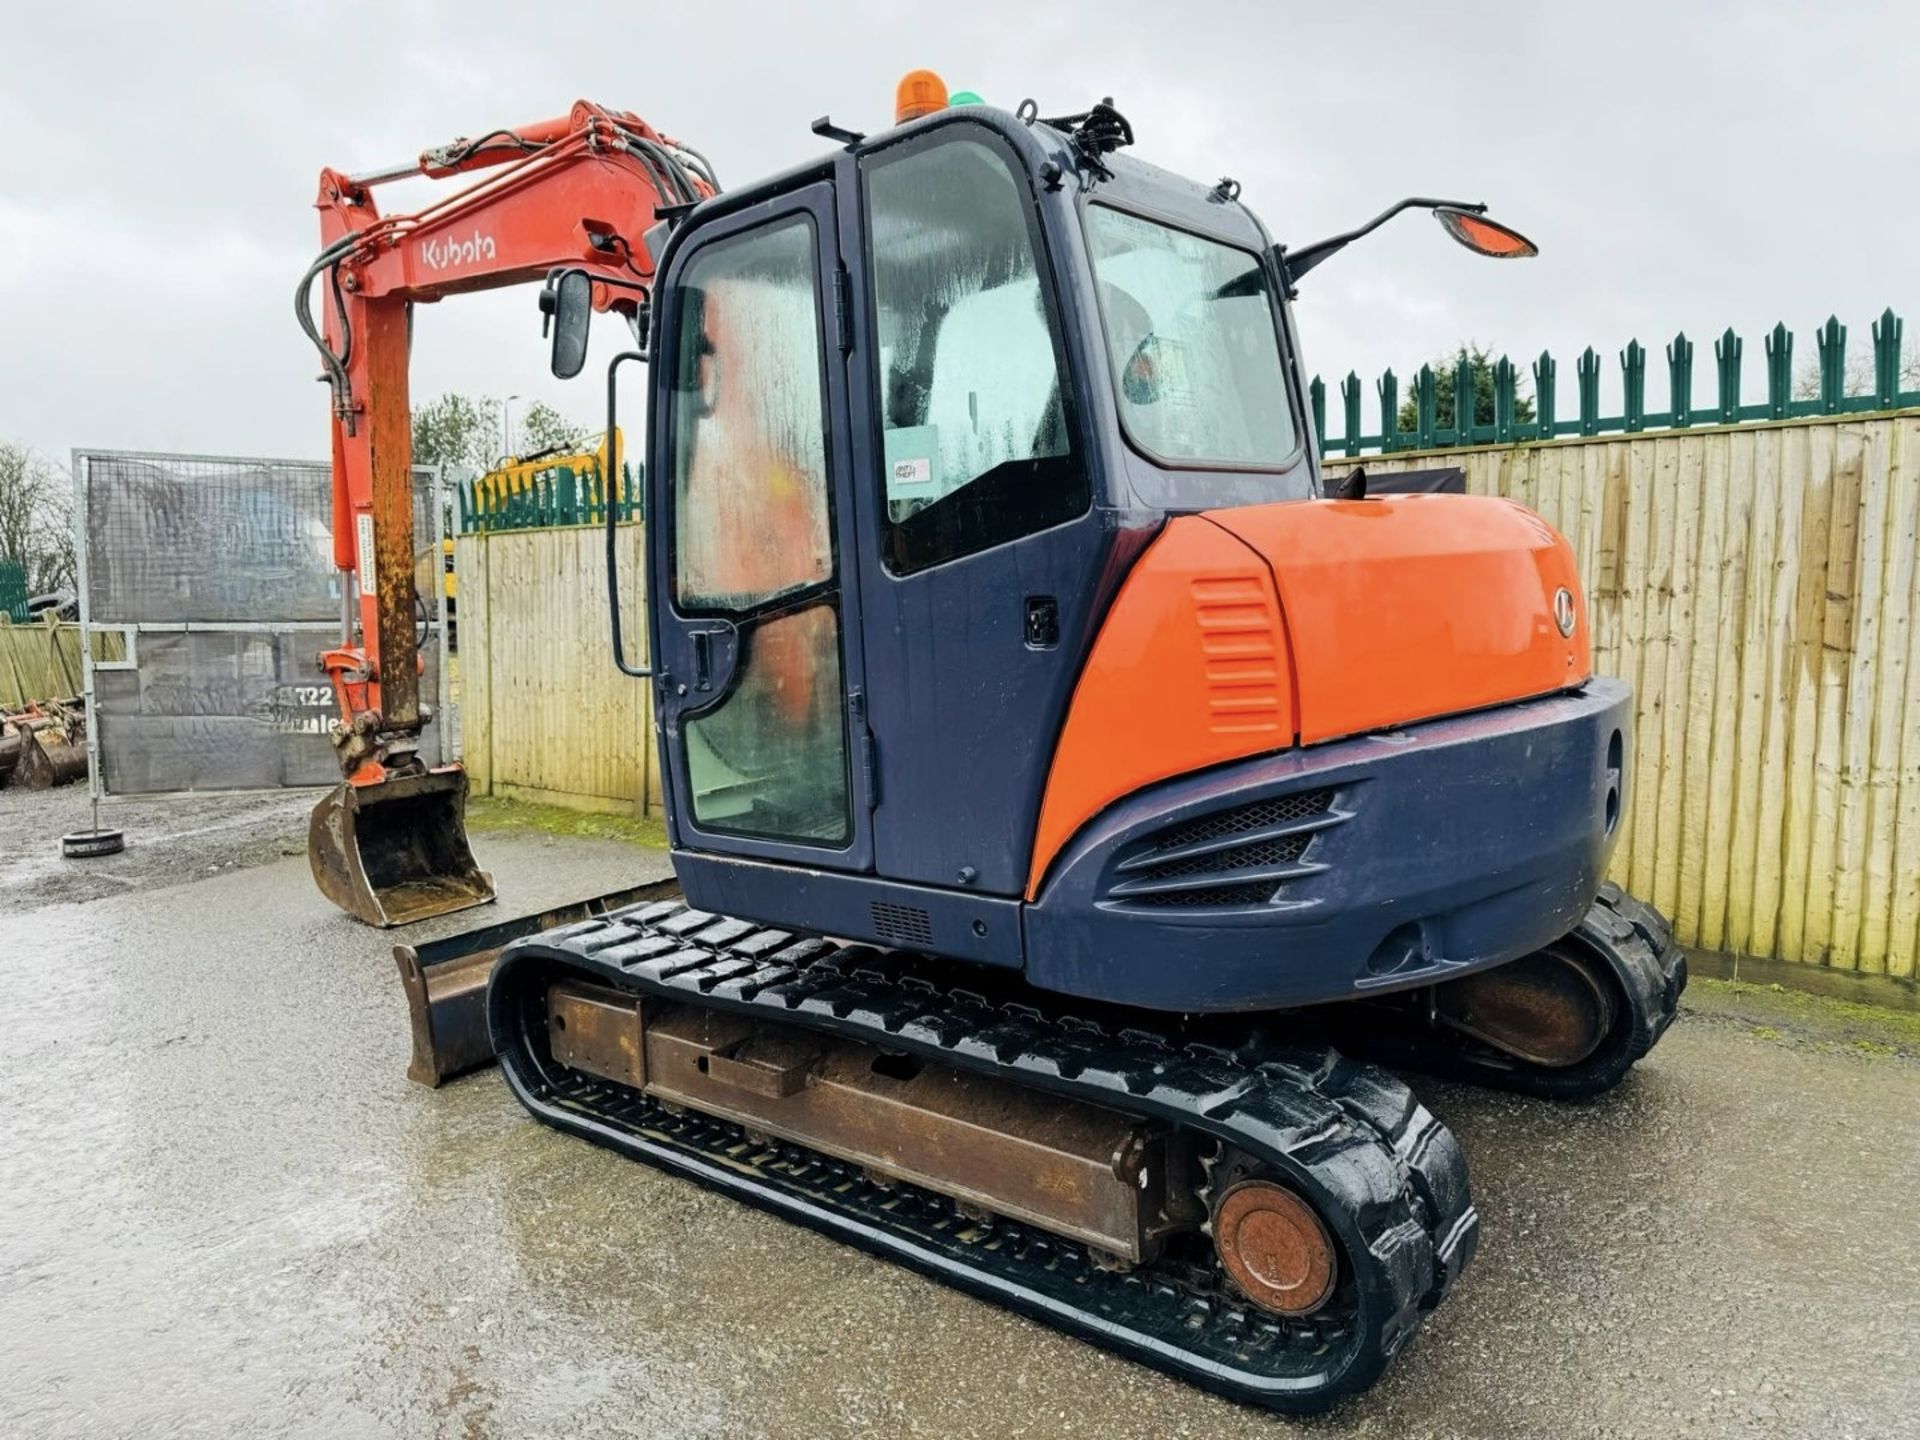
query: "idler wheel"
1274, 1247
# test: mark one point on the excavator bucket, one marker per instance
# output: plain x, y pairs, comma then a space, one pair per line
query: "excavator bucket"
396, 852
446, 981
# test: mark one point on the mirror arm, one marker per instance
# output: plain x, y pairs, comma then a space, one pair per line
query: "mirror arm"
1295, 263
614, 478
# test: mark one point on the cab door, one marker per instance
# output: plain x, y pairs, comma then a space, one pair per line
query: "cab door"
758, 686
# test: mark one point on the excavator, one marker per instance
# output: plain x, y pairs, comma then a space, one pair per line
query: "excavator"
1076, 799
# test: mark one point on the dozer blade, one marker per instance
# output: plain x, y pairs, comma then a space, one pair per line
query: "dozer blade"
396, 852
446, 980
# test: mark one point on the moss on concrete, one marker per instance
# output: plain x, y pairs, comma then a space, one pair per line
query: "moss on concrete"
485, 813
1776, 1013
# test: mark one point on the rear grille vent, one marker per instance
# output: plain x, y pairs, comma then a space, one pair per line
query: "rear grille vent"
1260, 815
1262, 853
1144, 875
1223, 895
901, 924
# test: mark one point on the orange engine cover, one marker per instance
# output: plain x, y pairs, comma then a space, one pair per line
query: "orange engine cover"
1412, 606
1245, 631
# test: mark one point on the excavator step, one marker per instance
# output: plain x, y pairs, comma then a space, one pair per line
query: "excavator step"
1382, 1174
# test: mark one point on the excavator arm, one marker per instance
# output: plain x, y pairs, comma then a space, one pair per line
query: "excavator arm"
581, 190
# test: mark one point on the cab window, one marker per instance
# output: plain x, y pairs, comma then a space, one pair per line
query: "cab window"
977, 432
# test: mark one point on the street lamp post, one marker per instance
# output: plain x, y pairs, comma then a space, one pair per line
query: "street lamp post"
506, 426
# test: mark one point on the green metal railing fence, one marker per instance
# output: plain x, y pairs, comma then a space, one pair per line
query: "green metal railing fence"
13, 591
560, 496
1728, 408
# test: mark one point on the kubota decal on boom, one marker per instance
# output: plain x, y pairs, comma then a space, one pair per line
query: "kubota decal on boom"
443, 254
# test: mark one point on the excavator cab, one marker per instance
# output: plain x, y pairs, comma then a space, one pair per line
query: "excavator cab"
977, 450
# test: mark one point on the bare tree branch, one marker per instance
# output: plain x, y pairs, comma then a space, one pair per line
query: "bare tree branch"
36, 518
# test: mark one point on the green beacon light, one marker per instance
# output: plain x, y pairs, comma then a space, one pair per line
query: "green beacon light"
964, 97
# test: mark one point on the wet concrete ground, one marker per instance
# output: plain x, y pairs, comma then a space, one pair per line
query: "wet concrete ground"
224, 1211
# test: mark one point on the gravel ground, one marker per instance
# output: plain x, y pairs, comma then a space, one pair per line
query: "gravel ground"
224, 1211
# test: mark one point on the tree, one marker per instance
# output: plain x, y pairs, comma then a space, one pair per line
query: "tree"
1859, 375
545, 428
36, 519
1444, 370
457, 430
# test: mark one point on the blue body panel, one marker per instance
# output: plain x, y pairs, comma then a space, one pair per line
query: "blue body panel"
1447, 847
958, 924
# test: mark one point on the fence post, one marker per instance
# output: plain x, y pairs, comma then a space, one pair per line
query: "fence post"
1633, 375
1680, 380
1886, 360
1830, 340
1543, 369
1726, 355
1779, 371
1463, 402
1426, 391
1350, 400
1505, 387
1317, 394
1389, 412
1589, 377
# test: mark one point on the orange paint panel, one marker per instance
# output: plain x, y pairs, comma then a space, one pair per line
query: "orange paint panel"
1190, 669
1406, 607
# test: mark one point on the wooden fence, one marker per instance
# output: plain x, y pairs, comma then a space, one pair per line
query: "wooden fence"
1758, 587
1757, 584
544, 715
40, 661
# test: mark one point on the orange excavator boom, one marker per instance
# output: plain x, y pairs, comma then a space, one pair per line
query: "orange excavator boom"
580, 191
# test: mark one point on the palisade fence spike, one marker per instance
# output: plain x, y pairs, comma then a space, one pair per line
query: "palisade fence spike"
1588, 374
1680, 380
1389, 412
1830, 340
1426, 407
1886, 360
1317, 394
1350, 399
1543, 369
1463, 401
1505, 386
1779, 371
1633, 376
1726, 356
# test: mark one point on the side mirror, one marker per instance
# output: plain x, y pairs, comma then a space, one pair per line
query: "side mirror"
567, 302
1484, 236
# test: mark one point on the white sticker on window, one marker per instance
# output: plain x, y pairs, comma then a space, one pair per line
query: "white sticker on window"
913, 466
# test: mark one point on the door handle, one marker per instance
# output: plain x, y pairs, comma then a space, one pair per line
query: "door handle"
703, 659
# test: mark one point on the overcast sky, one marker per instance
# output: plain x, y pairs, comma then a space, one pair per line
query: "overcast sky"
1680, 166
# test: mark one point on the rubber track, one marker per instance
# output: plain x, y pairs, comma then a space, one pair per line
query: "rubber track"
1389, 1179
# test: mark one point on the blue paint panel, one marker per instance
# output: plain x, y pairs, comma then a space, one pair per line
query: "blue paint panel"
980, 928
1467, 842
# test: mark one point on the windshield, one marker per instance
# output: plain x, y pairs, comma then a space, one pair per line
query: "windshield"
1190, 334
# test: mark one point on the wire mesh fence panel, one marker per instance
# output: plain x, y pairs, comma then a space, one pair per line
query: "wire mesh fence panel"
220, 571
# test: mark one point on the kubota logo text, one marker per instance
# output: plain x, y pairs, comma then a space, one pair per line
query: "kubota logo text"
445, 254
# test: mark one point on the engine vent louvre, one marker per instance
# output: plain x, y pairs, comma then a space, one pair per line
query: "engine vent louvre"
1262, 852
901, 924
1258, 816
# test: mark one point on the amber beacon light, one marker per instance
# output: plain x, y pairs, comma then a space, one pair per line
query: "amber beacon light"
920, 92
